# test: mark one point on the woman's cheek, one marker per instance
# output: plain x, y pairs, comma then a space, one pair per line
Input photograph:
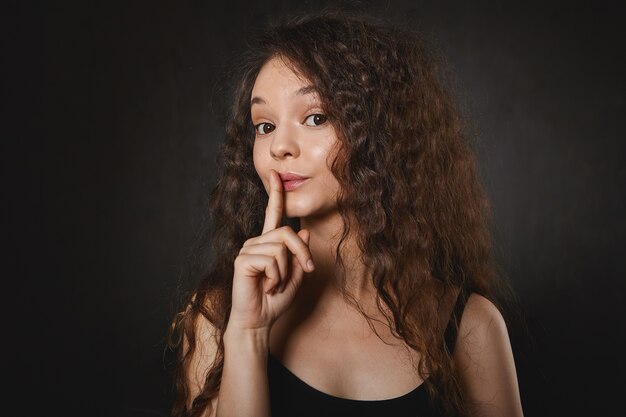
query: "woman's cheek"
259, 167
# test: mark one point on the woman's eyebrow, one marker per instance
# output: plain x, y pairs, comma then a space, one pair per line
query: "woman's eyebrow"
307, 89
256, 100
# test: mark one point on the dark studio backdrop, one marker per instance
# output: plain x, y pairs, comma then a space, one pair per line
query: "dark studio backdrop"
109, 147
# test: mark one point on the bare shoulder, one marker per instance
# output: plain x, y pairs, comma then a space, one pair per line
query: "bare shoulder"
482, 333
202, 357
205, 332
482, 318
484, 360
206, 340
204, 346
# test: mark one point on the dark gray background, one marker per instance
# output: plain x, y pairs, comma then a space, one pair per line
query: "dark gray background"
112, 121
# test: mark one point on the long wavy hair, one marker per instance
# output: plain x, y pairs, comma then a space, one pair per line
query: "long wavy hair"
407, 174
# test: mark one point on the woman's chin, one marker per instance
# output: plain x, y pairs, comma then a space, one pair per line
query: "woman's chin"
292, 214
307, 212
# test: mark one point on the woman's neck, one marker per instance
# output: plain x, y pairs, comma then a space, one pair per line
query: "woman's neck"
325, 234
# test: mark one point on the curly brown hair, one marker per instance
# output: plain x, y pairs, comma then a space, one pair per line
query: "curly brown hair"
407, 174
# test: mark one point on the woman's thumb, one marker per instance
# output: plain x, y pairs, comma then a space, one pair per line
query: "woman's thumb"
304, 235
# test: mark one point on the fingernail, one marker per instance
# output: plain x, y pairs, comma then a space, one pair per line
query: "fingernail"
310, 265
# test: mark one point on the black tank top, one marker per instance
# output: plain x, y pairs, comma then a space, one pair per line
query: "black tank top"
290, 396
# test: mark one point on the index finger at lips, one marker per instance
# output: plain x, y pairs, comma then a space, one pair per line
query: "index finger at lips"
274, 210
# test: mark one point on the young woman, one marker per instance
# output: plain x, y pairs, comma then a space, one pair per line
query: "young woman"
378, 299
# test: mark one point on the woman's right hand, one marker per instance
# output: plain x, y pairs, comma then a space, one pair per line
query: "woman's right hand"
269, 268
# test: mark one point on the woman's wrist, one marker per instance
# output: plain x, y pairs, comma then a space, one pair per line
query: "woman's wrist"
254, 340
244, 389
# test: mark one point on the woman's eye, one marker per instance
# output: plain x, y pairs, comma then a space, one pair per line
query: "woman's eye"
264, 128
315, 120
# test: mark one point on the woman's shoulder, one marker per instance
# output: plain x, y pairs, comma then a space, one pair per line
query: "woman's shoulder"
484, 359
482, 325
205, 329
203, 351
481, 318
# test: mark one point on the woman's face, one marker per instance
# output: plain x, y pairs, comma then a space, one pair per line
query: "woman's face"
292, 136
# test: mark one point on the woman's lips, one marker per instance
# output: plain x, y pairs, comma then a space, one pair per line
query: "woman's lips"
291, 181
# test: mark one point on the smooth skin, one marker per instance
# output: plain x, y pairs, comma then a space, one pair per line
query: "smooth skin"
284, 306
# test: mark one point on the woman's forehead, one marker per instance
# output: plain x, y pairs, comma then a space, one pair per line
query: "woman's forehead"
279, 75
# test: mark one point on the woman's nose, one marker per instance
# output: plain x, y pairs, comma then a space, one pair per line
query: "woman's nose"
285, 142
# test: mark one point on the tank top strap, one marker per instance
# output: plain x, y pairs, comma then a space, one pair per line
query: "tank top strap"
455, 319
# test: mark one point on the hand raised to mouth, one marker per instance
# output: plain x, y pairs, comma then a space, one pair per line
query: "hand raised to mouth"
269, 268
